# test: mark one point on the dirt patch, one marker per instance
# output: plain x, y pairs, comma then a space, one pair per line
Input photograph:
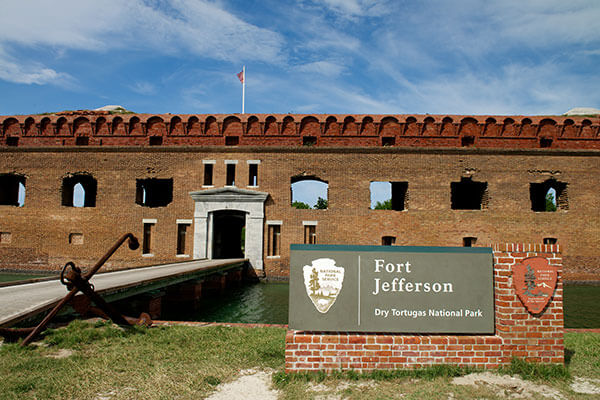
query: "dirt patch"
508, 386
252, 384
62, 353
586, 385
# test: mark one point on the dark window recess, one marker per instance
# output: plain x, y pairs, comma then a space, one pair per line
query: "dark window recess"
12, 141
181, 235
543, 198
467, 141
550, 240
274, 244
388, 240
208, 174
388, 141
468, 195
252, 174
12, 190
232, 140
154, 192
545, 142
469, 241
310, 234
82, 141
399, 191
230, 175
79, 191
156, 140
309, 140
147, 239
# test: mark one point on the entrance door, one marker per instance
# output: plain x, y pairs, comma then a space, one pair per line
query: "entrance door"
228, 234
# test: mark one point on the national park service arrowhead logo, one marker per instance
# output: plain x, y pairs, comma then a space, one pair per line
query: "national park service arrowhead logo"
534, 280
323, 281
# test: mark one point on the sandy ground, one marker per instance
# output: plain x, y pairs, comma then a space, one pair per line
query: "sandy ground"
251, 384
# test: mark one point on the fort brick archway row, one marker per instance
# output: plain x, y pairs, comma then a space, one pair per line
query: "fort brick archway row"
454, 180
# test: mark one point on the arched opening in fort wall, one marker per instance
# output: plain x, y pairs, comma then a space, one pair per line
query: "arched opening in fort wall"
218, 215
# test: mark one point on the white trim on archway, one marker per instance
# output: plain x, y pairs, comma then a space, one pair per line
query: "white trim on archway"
249, 201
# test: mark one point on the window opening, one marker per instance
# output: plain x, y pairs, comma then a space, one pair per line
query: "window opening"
155, 140
76, 238
469, 241
388, 240
79, 190
154, 192
549, 196
310, 234
309, 192
388, 141
12, 141
550, 240
12, 190
252, 174
309, 141
230, 175
82, 141
232, 140
208, 174
467, 141
5, 237
182, 230
389, 195
468, 195
147, 239
274, 237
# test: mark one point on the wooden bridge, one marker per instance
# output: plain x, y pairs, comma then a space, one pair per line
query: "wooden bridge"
20, 302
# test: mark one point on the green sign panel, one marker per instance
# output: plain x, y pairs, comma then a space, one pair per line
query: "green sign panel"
391, 289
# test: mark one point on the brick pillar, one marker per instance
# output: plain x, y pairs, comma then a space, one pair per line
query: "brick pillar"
188, 293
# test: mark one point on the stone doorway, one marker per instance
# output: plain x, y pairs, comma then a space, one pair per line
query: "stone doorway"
218, 208
228, 234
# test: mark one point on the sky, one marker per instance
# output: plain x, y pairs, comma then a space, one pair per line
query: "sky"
534, 57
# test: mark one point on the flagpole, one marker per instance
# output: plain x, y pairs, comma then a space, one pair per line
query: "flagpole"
243, 87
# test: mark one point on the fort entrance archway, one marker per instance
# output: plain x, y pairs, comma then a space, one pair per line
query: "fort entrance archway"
228, 234
220, 214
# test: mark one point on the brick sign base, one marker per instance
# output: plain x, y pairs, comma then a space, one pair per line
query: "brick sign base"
518, 333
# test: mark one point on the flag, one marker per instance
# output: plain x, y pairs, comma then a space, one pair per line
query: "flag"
241, 76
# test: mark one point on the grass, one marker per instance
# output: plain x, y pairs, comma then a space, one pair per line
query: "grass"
139, 363
13, 277
188, 363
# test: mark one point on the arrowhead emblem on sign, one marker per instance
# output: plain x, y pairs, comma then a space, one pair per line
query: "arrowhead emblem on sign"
534, 280
323, 281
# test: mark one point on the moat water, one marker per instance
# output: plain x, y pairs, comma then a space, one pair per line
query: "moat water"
260, 303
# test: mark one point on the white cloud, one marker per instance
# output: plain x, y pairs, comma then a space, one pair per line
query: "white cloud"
180, 27
356, 8
30, 73
326, 68
144, 88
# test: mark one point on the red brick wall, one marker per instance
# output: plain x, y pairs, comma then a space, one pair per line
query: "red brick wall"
536, 338
104, 129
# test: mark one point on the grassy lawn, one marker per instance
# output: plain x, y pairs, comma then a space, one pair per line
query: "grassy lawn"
189, 362
11, 277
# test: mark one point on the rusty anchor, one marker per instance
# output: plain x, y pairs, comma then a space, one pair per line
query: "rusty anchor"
71, 276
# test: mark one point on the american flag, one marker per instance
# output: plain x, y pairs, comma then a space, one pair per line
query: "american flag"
241, 76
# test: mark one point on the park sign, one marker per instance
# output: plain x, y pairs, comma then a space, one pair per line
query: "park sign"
391, 289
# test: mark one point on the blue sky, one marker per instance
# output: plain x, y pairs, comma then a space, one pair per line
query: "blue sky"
321, 56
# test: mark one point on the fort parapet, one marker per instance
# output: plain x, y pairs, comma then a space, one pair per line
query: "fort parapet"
95, 128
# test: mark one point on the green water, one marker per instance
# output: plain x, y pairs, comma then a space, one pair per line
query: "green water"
13, 277
260, 303
267, 303
580, 306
